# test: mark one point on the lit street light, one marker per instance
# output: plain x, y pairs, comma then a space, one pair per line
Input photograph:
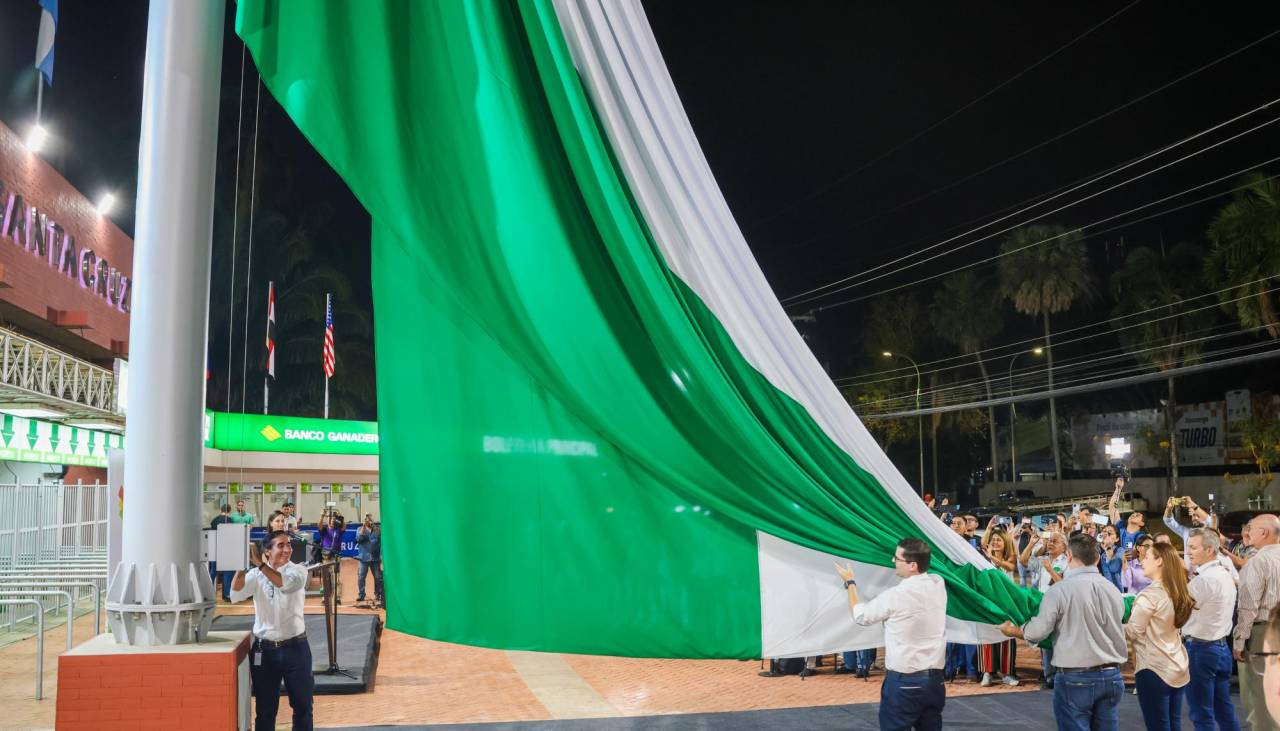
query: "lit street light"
919, 418
106, 203
1013, 413
36, 138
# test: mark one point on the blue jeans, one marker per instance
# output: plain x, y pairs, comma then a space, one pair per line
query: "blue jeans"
1209, 692
292, 663
365, 568
961, 659
859, 660
226, 576
1088, 701
1046, 664
1161, 704
912, 701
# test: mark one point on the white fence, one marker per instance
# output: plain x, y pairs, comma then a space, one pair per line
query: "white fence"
51, 521
53, 540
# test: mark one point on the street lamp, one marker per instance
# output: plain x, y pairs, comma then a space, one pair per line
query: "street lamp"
1013, 413
36, 138
919, 418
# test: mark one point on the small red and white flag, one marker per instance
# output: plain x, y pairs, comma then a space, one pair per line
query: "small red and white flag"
271, 329
330, 362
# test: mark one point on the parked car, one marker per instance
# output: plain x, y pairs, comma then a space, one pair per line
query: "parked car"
1013, 496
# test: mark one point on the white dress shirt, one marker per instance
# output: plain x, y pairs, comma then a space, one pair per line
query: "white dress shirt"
1231, 569
1215, 595
277, 610
915, 621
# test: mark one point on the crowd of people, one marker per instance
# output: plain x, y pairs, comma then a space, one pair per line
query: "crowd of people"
323, 542
1115, 593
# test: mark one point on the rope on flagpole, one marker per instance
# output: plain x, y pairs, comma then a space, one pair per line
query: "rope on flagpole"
248, 267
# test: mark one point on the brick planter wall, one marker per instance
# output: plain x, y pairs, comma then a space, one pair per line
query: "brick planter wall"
105, 687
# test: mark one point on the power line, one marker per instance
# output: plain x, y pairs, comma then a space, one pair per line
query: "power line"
1047, 142
1003, 254
1124, 166
1056, 336
819, 192
1073, 371
1059, 392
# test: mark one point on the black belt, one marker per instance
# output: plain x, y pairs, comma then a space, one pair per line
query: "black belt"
1093, 669
918, 673
274, 644
1198, 641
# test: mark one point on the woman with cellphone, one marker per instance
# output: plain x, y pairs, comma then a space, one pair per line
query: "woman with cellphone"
1111, 559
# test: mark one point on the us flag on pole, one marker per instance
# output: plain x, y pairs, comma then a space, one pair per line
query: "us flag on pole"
329, 361
271, 329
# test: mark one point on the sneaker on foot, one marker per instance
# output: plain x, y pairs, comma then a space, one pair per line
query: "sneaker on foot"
1009, 680
986, 680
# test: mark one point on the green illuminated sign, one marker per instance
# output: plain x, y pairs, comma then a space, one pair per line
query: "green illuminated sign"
32, 440
266, 433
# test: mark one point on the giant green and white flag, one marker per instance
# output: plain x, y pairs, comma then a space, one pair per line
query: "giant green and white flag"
600, 432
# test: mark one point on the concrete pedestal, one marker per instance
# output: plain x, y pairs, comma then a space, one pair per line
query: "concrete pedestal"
105, 686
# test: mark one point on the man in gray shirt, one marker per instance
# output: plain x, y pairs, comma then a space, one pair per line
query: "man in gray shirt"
1083, 615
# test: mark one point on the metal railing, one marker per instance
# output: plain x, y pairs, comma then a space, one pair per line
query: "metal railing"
32, 369
52, 521
5, 602
53, 539
32, 593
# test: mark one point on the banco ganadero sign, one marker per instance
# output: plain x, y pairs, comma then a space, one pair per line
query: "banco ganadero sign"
32, 230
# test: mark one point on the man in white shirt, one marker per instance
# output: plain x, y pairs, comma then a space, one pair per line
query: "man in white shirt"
1207, 636
280, 649
290, 519
915, 618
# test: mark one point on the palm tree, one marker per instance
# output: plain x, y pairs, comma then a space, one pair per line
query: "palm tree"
1044, 270
1244, 254
1156, 285
966, 313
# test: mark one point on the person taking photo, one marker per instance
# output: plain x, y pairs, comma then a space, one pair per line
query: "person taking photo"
279, 650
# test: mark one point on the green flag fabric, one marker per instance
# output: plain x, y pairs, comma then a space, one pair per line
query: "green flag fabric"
600, 433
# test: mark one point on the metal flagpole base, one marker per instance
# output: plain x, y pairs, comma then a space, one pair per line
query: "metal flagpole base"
167, 604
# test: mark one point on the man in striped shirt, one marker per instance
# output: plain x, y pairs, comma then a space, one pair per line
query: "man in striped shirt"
1259, 595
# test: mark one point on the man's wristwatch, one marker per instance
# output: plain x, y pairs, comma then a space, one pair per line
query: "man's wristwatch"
849, 582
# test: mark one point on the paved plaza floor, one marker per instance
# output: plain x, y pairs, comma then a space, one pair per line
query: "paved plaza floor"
424, 683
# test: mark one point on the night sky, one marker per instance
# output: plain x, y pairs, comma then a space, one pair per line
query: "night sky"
802, 109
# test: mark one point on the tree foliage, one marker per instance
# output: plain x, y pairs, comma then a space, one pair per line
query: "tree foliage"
1244, 255
1045, 269
1156, 315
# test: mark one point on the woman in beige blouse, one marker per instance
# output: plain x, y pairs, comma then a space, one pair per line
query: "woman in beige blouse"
1160, 660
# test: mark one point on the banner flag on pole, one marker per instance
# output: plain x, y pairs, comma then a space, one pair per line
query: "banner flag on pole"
571, 332
330, 363
271, 329
44, 41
